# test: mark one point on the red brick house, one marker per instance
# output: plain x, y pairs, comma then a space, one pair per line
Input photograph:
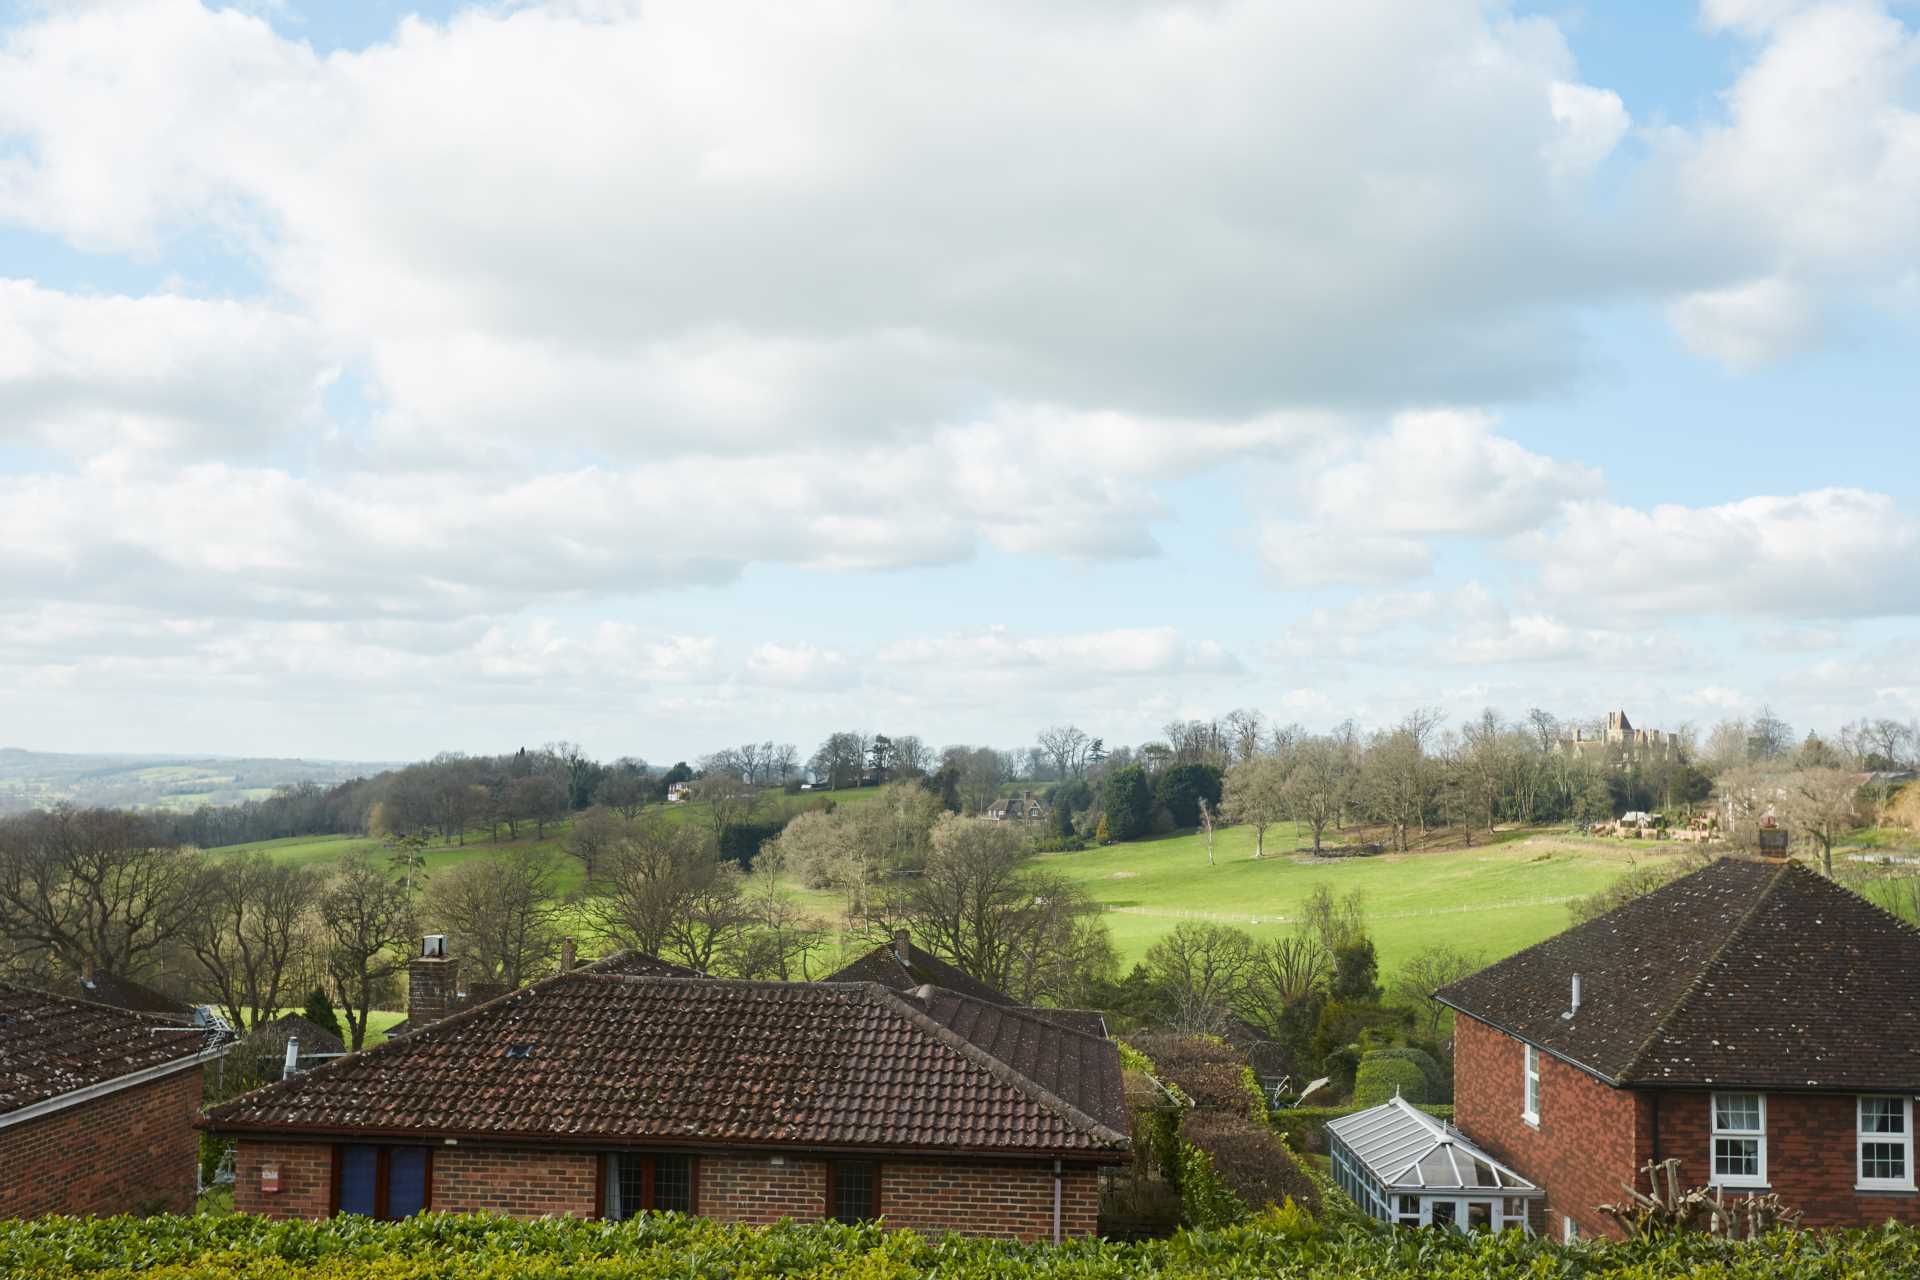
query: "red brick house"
97, 1107
1753, 1020
602, 1093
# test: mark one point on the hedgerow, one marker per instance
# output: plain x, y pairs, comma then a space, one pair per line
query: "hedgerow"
1288, 1247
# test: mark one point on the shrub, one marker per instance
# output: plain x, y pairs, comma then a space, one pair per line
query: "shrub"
1439, 1079
1381, 1078
1245, 1164
1211, 1072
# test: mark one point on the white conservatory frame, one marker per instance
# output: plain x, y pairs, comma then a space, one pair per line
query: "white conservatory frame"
1403, 1166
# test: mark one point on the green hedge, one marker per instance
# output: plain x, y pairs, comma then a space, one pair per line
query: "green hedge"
1439, 1079
1305, 1128
1379, 1079
676, 1248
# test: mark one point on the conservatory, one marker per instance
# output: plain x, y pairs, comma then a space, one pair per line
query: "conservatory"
1403, 1166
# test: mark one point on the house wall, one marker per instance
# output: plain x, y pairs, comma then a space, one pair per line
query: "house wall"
1811, 1158
1591, 1137
131, 1151
1009, 1200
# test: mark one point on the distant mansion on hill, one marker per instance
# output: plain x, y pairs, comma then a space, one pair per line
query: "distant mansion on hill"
1620, 733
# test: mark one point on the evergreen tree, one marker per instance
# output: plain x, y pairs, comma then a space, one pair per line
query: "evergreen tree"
1127, 799
320, 1013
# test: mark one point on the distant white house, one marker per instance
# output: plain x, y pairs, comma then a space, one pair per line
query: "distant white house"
678, 792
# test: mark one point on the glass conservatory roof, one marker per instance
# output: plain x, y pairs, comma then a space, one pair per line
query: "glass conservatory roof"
1410, 1151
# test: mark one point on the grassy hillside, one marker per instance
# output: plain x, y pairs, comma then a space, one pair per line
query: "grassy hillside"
1495, 899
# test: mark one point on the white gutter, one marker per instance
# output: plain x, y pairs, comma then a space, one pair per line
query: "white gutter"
1056, 1202
145, 1075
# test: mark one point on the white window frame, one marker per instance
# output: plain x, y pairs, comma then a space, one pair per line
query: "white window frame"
1861, 1138
1759, 1137
1530, 1086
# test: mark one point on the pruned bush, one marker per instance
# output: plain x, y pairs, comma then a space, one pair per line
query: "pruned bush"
1245, 1161
1381, 1078
1210, 1071
1438, 1079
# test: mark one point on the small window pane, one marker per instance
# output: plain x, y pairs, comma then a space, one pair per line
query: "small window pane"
406, 1181
1443, 1213
1736, 1157
1737, 1112
1884, 1160
359, 1167
1882, 1115
853, 1188
673, 1184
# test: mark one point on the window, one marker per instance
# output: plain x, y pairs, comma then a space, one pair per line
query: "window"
853, 1190
1886, 1144
382, 1182
1739, 1140
1530, 1110
1569, 1230
640, 1182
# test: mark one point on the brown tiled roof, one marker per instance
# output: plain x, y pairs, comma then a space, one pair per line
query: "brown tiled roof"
1068, 1063
594, 1058
638, 964
270, 1038
1745, 973
122, 993
1088, 1022
53, 1045
881, 965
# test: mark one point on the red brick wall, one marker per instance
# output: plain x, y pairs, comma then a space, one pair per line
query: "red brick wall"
131, 1151
521, 1184
1591, 1137
741, 1188
1012, 1201
306, 1178
1810, 1156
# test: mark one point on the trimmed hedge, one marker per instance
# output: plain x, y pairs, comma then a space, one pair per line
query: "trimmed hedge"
671, 1247
1439, 1079
1246, 1161
1211, 1072
1379, 1079
1305, 1128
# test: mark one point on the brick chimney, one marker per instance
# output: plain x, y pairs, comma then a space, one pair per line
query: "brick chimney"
902, 950
567, 956
432, 979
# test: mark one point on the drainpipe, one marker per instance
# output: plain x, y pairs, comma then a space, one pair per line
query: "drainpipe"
1056, 1202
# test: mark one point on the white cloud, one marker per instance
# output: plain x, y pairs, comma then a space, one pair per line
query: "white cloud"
164, 373
1804, 191
1592, 122
1827, 553
1301, 555
1121, 653
1746, 326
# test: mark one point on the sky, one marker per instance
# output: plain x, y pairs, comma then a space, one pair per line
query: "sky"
384, 378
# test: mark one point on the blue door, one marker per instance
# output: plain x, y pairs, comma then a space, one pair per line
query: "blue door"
359, 1174
406, 1181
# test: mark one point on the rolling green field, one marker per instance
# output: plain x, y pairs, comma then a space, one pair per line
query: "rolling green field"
1493, 898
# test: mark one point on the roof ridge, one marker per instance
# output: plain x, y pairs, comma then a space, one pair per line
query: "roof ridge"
1692, 988
1827, 883
1000, 1070
163, 1021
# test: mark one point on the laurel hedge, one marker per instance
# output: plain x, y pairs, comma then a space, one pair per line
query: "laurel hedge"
1282, 1243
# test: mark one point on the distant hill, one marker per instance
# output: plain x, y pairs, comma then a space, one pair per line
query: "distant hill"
36, 779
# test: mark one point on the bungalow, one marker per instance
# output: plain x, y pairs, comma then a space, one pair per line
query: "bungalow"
904, 967
1753, 1020
600, 1093
97, 1107
1020, 808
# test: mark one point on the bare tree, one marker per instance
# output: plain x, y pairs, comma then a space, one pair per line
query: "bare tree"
1768, 737
1255, 793
1821, 805
92, 887
653, 883
504, 912
781, 936
730, 801
911, 756
539, 798
1334, 922
1546, 728
1282, 972
1243, 730
1201, 972
1066, 746
1424, 973
1205, 811
624, 792
1483, 758
1032, 934
1316, 788
247, 935
366, 920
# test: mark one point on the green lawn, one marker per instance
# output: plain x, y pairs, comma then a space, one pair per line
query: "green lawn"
1493, 898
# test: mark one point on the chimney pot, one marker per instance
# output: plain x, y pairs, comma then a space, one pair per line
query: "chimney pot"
901, 949
433, 946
